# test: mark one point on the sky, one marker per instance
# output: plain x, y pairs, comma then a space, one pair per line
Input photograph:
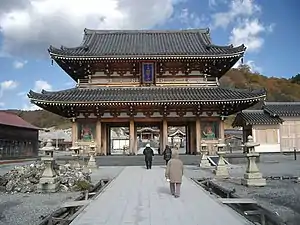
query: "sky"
268, 28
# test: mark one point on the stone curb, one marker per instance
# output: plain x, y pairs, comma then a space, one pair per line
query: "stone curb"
4, 162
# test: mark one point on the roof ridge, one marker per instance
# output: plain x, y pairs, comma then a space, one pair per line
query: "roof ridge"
195, 30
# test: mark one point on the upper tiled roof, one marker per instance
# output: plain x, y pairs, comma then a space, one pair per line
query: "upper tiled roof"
141, 43
282, 109
11, 119
108, 95
255, 117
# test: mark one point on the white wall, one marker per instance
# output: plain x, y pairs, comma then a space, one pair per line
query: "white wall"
290, 133
266, 147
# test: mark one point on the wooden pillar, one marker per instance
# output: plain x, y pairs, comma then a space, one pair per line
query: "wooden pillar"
165, 134
198, 135
161, 134
98, 137
222, 128
131, 136
104, 139
74, 132
192, 138
187, 139
135, 147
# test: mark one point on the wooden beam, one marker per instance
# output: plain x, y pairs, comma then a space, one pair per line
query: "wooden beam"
237, 201
75, 203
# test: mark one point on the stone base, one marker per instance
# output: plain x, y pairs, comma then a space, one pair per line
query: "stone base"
205, 163
254, 182
221, 172
75, 164
253, 179
92, 164
48, 185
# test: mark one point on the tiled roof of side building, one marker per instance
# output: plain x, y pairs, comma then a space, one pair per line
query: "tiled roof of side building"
282, 109
255, 117
141, 43
108, 95
11, 119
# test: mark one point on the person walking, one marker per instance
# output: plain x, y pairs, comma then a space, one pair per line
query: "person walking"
148, 153
174, 173
167, 153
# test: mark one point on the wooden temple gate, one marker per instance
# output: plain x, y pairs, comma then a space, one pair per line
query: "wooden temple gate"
165, 78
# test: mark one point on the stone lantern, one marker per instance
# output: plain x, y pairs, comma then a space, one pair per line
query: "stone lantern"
221, 169
92, 151
49, 181
204, 162
76, 155
75, 148
252, 177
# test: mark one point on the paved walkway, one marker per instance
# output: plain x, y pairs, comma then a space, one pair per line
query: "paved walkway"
141, 197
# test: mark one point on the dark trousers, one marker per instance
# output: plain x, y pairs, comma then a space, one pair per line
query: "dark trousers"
148, 164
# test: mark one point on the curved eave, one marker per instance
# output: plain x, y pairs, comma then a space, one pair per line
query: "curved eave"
146, 57
150, 103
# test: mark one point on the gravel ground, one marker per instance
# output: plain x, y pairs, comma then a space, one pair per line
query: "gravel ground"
280, 196
26, 209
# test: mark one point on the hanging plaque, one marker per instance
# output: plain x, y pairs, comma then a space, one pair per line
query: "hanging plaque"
148, 73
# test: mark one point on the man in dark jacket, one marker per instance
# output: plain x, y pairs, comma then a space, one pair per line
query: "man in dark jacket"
148, 152
167, 154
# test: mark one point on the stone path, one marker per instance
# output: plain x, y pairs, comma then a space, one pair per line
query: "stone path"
141, 197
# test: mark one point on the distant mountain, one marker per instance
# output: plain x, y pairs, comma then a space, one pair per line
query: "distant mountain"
278, 89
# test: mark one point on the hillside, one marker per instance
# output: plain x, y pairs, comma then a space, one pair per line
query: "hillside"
278, 89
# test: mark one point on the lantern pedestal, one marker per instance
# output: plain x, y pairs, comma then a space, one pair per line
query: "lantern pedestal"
49, 181
252, 177
204, 162
92, 161
221, 169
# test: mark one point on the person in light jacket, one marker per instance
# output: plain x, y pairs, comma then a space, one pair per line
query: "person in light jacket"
174, 173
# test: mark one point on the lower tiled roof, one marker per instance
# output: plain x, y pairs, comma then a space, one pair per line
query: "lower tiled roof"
282, 109
11, 119
109, 95
255, 117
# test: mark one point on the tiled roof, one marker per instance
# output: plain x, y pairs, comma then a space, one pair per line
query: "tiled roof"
141, 43
11, 119
282, 109
255, 117
109, 95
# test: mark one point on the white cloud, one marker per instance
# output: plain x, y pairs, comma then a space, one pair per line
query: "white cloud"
30, 26
236, 9
247, 29
252, 65
8, 85
40, 85
247, 32
30, 107
19, 64
191, 19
